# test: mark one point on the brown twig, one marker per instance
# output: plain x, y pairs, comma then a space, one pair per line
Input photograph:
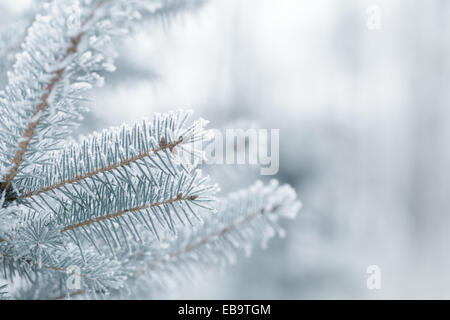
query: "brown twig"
127, 162
213, 235
191, 247
72, 294
125, 211
99, 219
208, 238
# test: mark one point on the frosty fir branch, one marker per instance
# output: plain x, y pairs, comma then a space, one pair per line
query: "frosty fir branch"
126, 208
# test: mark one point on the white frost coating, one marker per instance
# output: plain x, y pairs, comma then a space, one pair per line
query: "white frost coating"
81, 86
105, 203
109, 66
63, 64
50, 48
239, 225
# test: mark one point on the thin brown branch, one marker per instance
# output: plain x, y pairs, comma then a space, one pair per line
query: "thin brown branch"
126, 211
215, 235
72, 294
191, 247
208, 238
185, 250
12, 49
99, 219
41, 107
163, 146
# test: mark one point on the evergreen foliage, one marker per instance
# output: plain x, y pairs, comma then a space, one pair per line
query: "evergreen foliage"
127, 206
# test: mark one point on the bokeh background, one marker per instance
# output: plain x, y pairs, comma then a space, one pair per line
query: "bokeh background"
364, 119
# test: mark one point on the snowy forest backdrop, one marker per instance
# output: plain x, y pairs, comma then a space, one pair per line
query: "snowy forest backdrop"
364, 125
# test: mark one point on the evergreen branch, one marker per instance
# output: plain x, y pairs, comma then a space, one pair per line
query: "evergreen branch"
31, 263
246, 217
133, 190
89, 175
62, 269
117, 217
97, 278
134, 195
180, 197
29, 132
98, 272
32, 243
206, 240
43, 104
212, 236
164, 144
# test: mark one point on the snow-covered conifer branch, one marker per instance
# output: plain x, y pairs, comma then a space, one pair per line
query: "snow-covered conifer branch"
167, 143
36, 252
245, 218
37, 105
120, 205
64, 51
99, 274
127, 217
109, 188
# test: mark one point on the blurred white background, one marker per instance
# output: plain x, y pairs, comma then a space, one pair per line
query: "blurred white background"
364, 125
